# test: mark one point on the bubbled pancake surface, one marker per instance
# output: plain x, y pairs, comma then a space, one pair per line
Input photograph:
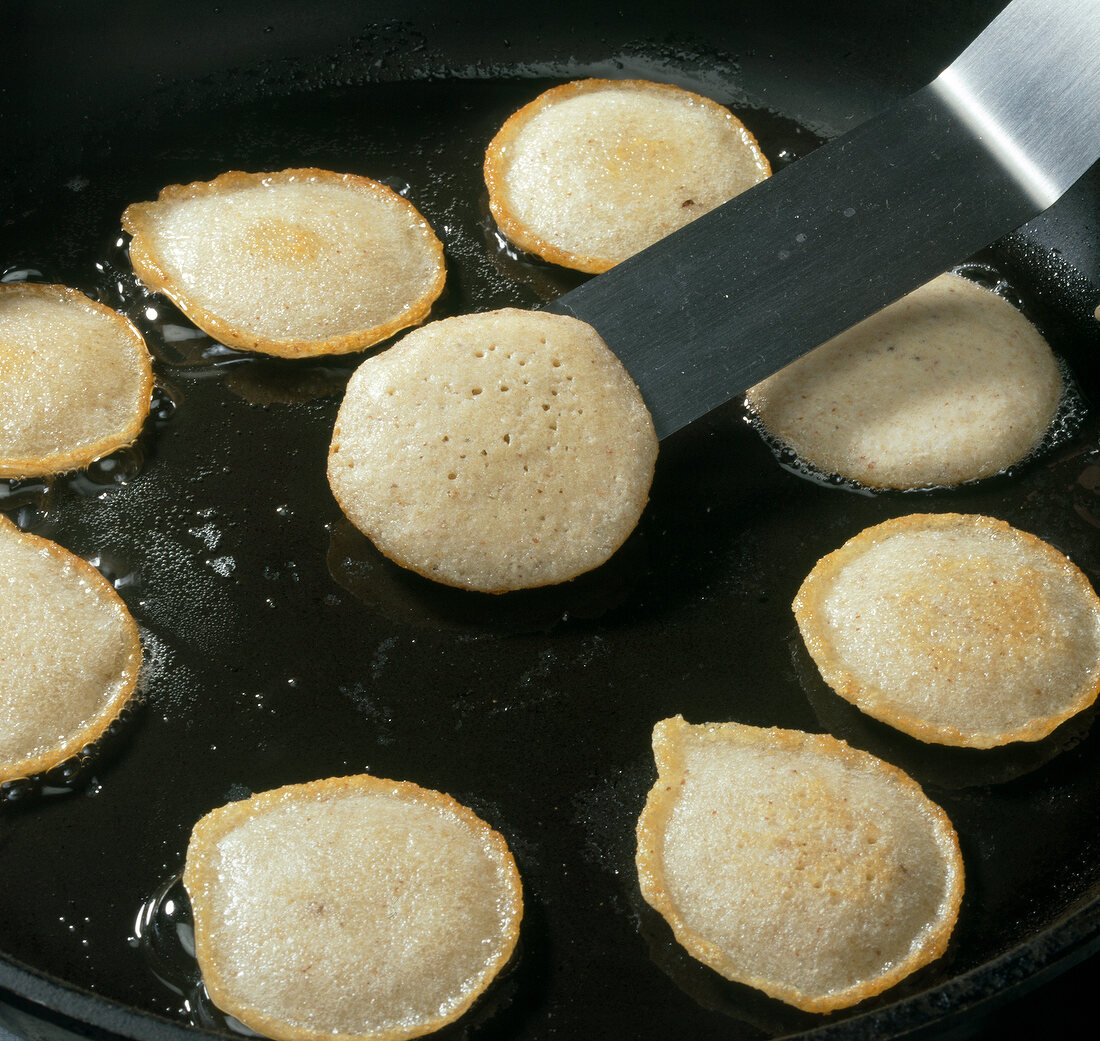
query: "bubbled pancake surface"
949, 384
494, 451
75, 380
955, 628
793, 863
71, 653
592, 171
350, 907
295, 263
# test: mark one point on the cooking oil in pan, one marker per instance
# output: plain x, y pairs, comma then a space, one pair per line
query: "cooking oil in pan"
693, 617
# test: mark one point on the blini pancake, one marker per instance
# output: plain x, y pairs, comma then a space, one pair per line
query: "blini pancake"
296, 263
793, 863
949, 384
350, 908
71, 654
76, 380
954, 628
494, 451
592, 171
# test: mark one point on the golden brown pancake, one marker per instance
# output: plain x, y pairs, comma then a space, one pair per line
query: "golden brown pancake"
793, 863
494, 451
75, 380
351, 907
296, 263
592, 171
71, 654
957, 629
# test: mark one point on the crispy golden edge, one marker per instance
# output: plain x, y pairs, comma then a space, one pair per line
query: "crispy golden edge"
78, 458
808, 609
663, 796
109, 712
496, 164
139, 220
410, 563
200, 875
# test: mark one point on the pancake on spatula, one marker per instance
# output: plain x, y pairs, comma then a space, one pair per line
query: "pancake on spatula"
949, 384
70, 650
793, 863
592, 171
495, 451
350, 908
957, 629
75, 380
296, 263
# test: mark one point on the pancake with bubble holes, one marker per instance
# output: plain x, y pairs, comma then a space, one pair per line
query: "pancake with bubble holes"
76, 380
954, 628
795, 864
350, 908
295, 264
949, 384
591, 172
71, 654
495, 451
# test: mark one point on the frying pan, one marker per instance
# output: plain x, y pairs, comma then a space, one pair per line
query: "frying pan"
281, 648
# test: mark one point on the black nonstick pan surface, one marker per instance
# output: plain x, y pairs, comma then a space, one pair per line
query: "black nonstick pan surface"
281, 648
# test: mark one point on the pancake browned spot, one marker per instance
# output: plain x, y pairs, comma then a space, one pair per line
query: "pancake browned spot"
793, 863
494, 451
957, 629
295, 263
949, 384
592, 171
71, 653
75, 380
350, 908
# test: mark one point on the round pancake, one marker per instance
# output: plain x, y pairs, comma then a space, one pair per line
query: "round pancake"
76, 380
494, 451
592, 171
949, 384
957, 629
350, 907
71, 654
793, 863
296, 263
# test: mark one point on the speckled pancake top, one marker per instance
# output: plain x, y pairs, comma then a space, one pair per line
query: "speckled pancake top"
494, 451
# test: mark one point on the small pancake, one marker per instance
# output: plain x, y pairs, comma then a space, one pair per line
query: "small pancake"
793, 863
494, 451
954, 628
71, 654
949, 384
295, 264
350, 907
592, 171
76, 380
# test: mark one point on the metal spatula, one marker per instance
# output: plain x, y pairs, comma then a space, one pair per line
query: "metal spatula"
742, 291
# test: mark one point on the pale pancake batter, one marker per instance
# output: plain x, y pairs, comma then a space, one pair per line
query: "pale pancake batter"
494, 451
949, 384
